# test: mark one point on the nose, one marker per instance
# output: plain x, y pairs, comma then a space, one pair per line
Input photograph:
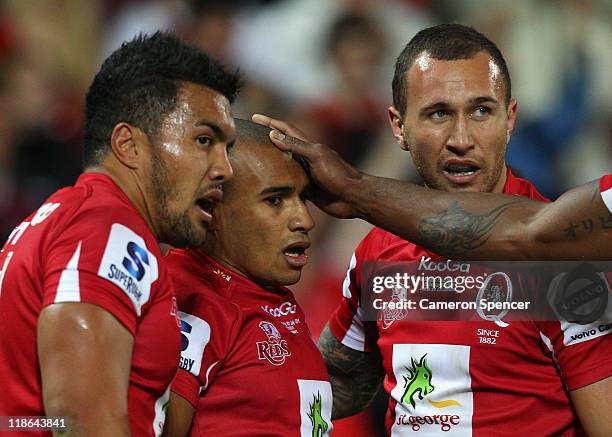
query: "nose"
460, 139
301, 221
220, 169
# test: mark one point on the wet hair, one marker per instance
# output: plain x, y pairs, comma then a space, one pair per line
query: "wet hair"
138, 84
448, 42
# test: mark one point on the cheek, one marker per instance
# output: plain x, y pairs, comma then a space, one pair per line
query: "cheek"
424, 156
493, 141
253, 238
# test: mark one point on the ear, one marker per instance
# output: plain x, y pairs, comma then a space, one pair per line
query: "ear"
127, 143
512, 109
397, 127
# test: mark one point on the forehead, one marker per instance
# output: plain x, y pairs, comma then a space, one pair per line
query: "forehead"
257, 167
197, 103
431, 80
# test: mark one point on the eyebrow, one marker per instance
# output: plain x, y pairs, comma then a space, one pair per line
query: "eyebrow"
215, 127
483, 99
472, 102
277, 190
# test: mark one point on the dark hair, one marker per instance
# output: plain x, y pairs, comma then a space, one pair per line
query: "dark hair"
138, 84
448, 42
251, 132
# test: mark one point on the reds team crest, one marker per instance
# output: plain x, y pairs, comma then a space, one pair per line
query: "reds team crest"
274, 349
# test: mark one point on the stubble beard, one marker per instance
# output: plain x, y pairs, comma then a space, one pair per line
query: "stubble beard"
175, 227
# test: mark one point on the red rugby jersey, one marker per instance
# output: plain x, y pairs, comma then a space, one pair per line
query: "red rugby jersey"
605, 184
248, 362
472, 377
87, 243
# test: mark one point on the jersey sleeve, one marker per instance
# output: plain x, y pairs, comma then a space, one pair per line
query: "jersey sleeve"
605, 185
103, 259
347, 322
208, 329
582, 350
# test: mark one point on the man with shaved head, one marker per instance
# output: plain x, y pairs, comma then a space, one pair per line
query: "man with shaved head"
248, 364
453, 111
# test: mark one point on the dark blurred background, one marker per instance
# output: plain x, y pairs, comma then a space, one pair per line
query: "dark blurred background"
325, 65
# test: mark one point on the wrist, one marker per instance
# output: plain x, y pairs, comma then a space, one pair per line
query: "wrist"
355, 193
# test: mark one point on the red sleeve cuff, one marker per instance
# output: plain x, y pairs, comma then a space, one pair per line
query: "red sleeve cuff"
588, 375
106, 295
186, 386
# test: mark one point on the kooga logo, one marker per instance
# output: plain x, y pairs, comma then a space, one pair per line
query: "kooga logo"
284, 309
442, 266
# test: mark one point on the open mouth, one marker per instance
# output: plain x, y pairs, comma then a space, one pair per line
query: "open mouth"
461, 169
461, 172
295, 253
206, 204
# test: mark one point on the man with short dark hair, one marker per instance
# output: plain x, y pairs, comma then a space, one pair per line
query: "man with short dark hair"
89, 327
453, 112
249, 366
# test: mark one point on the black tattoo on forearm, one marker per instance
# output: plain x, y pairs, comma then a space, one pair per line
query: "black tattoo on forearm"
455, 230
587, 225
355, 376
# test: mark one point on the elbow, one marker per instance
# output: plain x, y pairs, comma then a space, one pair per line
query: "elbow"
86, 416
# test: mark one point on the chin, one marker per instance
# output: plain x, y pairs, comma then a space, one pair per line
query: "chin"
289, 279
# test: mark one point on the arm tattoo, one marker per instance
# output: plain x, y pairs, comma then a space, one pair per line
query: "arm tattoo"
355, 376
456, 230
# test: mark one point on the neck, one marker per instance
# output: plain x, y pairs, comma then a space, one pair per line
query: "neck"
131, 186
499, 187
227, 263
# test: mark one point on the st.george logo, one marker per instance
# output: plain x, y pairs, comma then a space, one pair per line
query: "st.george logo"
319, 425
418, 382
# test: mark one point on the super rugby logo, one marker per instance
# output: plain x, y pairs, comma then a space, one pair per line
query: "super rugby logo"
274, 349
127, 263
135, 266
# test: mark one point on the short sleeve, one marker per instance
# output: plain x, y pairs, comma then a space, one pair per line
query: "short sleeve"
106, 260
208, 329
347, 323
582, 351
605, 185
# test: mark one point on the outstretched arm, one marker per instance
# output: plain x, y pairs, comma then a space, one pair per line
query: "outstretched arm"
488, 226
481, 226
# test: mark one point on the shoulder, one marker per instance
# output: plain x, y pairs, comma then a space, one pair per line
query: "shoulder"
196, 289
522, 187
381, 244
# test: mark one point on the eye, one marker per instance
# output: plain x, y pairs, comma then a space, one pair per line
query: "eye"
273, 201
481, 111
204, 140
438, 115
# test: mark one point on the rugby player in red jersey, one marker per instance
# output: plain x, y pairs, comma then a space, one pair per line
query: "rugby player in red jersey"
89, 327
453, 111
249, 366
